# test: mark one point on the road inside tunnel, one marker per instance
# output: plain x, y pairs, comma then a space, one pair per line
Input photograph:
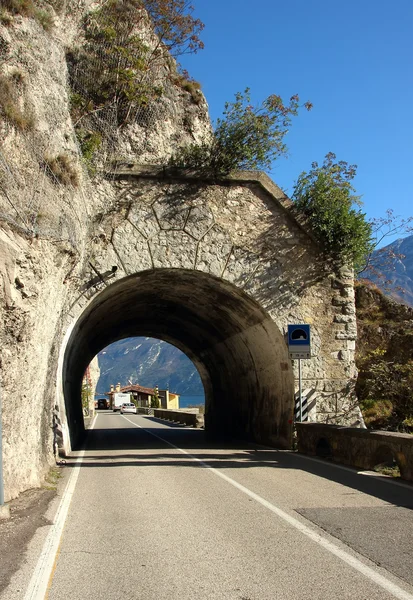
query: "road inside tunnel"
237, 348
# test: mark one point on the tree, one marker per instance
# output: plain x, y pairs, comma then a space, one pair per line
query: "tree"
155, 399
325, 196
247, 137
86, 392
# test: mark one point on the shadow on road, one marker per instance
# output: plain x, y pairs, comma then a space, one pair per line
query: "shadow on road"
156, 444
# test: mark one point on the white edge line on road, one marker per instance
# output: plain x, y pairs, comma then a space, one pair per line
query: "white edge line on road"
346, 557
39, 582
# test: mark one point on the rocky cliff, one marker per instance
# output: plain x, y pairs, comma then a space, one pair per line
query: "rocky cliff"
384, 357
51, 203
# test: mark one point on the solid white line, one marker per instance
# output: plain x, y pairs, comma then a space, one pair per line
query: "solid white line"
346, 557
39, 582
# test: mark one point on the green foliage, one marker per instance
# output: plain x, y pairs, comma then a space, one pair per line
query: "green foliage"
247, 137
385, 390
90, 142
155, 399
326, 198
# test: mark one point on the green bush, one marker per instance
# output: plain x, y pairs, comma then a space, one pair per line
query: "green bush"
326, 198
90, 142
247, 137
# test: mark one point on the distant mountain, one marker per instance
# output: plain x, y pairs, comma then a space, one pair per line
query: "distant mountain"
397, 273
148, 362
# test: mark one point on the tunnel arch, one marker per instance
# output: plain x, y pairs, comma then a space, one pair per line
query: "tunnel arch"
240, 353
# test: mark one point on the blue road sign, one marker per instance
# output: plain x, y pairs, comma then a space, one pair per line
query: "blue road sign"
299, 341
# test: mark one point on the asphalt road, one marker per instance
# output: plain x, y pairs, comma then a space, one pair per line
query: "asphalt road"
156, 513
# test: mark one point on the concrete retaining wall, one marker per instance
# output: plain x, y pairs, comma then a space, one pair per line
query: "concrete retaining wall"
359, 448
187, 418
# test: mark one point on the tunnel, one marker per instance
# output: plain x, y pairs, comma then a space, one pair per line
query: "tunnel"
239, 351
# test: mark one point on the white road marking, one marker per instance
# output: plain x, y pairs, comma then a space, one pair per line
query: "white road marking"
39, 582
395, 590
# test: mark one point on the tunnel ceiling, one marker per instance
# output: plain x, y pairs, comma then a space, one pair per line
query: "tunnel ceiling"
191, 309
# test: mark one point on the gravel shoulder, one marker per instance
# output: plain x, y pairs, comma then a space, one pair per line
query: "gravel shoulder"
31, 514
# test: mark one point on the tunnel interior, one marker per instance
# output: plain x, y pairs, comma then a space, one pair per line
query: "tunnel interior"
239, 352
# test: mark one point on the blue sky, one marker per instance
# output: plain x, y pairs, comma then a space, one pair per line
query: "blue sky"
352, 59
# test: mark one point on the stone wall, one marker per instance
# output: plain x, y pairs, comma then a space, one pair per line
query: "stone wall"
244, 231
359, 448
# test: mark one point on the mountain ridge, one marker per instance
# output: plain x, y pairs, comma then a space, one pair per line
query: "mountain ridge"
148, 362
393, 270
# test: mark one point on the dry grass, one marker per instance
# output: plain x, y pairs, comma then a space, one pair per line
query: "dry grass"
189, 85
61, 169
26, 8
9, 103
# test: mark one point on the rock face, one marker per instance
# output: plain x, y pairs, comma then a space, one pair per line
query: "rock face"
218, 268
46, 226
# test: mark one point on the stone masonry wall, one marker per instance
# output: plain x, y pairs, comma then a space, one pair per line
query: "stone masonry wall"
246, 233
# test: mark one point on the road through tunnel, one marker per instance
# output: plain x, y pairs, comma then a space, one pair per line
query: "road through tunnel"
238, 350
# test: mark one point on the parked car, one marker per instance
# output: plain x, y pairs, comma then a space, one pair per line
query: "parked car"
128, 407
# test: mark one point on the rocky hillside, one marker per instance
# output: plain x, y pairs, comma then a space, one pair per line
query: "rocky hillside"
384, 357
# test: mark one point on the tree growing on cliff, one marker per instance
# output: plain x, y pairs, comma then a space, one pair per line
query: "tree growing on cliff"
247, 137
326, 198
128, 44
384, 388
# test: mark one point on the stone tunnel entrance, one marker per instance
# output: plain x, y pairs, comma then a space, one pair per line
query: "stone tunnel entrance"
238, 350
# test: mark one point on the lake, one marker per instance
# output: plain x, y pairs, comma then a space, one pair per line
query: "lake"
185, 401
